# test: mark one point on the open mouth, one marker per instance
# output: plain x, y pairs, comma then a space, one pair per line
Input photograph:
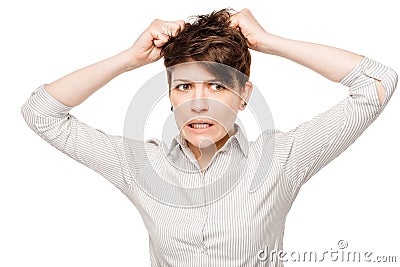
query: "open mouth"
200, 125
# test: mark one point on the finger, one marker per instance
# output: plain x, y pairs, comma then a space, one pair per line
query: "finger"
159, 38
234, 22
181, 24
172, 28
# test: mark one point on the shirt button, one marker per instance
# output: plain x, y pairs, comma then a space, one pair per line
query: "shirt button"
202, 249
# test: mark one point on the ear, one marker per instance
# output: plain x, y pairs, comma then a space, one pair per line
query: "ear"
245, 94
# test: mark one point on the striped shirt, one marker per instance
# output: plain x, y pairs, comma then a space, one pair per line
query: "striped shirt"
201, 229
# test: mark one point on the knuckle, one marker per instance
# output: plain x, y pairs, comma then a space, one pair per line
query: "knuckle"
176, 26
155, 22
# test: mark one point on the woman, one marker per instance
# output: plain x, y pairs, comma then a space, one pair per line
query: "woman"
213, 226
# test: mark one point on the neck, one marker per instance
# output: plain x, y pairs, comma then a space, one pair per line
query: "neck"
205, 154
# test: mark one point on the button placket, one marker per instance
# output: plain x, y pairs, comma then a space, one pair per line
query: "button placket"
203, 249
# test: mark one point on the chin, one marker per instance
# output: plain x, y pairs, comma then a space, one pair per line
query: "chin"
203, 140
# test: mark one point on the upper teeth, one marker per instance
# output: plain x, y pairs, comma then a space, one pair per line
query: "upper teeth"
200, 125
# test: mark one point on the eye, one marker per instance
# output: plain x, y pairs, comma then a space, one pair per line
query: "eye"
216, 86
183, 87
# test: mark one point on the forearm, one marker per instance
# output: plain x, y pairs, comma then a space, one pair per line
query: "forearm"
76, 87
332, 63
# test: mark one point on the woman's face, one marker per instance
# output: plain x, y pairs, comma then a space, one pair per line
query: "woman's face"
205, 108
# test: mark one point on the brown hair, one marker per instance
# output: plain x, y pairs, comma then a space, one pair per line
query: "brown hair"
209, 38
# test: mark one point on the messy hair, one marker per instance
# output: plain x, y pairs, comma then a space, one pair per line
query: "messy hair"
209, 38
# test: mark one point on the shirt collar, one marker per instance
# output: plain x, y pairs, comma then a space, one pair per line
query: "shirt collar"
238, 137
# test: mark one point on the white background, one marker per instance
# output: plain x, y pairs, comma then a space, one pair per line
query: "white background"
56, 212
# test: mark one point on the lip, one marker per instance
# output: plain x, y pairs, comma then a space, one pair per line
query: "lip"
200, 130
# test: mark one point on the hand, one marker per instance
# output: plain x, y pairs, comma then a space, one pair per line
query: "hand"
147, 47
249, 27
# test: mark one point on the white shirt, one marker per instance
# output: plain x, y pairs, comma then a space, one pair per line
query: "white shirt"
190, 222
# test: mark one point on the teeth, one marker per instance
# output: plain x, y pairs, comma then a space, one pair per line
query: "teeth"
200, 125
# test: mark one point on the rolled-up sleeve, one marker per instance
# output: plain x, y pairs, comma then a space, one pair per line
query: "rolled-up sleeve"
309, 147
101, 152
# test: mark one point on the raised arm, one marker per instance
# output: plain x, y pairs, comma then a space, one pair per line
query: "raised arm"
47, 109
76, 87
332, 63
310, 146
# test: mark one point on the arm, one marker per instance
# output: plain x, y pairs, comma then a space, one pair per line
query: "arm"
313, 144
47, 109
74, 88
332, 63
309, 147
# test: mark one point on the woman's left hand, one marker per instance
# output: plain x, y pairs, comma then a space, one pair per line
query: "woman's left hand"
249, 27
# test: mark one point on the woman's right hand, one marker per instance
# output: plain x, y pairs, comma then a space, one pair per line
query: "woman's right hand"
74, 88
147, 47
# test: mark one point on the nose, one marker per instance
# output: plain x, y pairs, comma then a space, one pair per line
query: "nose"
199, 105
199, 101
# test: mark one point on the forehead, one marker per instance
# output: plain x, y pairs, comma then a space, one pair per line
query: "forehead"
193, 71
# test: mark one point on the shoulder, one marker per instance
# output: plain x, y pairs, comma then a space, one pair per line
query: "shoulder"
266, 138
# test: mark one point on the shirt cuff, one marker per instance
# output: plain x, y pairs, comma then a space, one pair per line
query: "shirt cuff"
364, 70
42, 102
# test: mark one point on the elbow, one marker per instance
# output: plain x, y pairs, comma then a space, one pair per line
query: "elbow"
28, 115
392, 78
387, 86
395, 78
24, 110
